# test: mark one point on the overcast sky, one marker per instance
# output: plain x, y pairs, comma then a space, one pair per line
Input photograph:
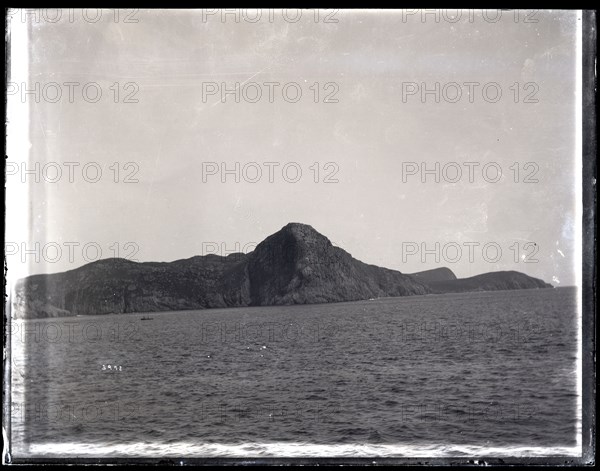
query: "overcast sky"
374, 210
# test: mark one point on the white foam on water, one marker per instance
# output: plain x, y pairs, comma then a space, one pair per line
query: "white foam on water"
294, 450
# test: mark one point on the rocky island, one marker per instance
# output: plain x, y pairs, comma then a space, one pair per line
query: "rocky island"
296, 265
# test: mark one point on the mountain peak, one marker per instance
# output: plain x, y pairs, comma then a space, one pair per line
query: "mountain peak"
298, 224
296, 232
299, 228
290, 244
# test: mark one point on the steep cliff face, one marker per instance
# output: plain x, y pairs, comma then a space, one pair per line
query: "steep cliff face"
117, 285
296, 265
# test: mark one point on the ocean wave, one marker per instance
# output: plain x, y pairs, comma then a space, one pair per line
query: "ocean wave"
294, 450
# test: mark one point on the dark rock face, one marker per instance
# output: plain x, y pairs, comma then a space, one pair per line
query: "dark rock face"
117, 285
296, 265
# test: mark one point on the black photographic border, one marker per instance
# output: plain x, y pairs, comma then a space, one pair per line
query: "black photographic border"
588, 322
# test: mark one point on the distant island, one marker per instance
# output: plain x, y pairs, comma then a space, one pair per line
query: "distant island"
296, 265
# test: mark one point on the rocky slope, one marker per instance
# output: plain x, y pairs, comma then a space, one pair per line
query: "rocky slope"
296, 265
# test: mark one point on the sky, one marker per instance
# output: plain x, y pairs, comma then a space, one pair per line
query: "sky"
359, 133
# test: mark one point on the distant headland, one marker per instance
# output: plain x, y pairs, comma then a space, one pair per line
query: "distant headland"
296, 265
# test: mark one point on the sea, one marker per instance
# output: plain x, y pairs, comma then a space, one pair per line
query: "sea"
487, 373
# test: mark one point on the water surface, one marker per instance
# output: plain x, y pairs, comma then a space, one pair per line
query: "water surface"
443, 375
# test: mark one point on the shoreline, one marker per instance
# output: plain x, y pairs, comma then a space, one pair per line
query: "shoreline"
215, 309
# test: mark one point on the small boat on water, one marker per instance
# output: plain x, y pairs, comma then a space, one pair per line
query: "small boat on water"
146, 318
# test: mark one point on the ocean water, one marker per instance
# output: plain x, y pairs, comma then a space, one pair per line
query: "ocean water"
491, 373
